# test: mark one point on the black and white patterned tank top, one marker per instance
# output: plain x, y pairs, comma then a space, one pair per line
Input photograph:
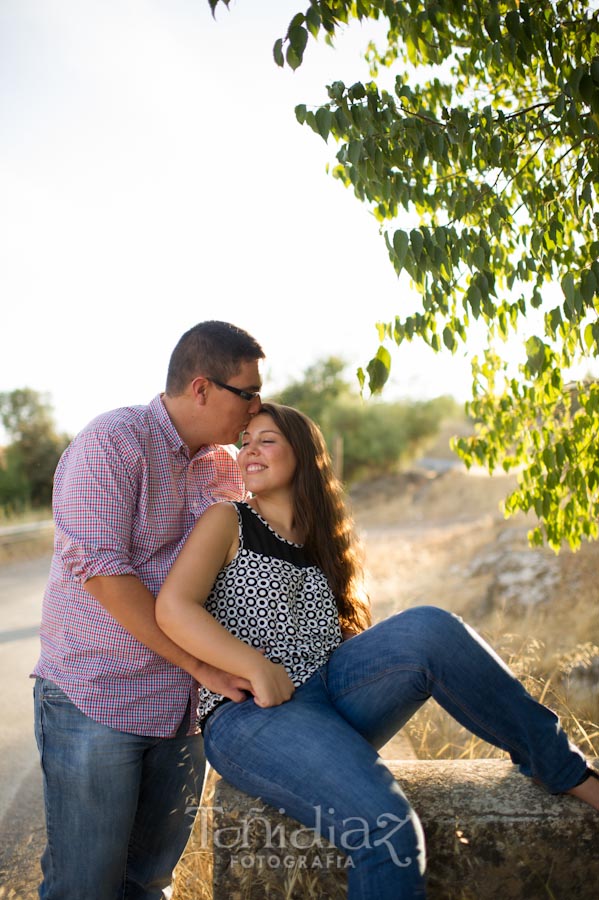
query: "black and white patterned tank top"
270, 597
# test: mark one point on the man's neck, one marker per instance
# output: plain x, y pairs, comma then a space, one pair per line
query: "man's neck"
177, 409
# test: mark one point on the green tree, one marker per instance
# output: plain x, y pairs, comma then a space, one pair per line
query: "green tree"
14, 487
481, 162
379, 438
320, 388
376, 437
28, 463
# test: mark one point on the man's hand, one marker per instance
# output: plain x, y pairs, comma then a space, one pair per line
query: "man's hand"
232, 686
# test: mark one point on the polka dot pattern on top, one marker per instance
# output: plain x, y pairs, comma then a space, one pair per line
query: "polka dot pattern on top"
271, 598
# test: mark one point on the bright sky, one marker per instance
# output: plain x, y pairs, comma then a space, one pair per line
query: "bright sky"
153, 175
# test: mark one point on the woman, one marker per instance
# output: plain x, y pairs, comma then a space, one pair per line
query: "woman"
271, 590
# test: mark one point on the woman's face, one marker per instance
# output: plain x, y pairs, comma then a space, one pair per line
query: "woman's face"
266, 458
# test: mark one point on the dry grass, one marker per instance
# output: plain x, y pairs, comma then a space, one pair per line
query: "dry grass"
436, 735
193, 876
25, 547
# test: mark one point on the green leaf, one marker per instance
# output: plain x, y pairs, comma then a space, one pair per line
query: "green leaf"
560, 103
492, 23
417, 241
586, 88
535, 354
588, 285
341, 121
513, 24
474, 298
479, 257
300, 113
401, 243
277, 52
297, 20
324, 120
449, 338
589, 337
298, 38
354, 152
568, 287
293, 60
313, 21
555, 320
357, 91
378, 370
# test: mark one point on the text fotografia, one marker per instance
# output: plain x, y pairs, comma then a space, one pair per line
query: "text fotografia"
258, 830
260, 860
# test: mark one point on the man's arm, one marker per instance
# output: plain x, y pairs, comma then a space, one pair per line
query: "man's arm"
96, 495
133, 606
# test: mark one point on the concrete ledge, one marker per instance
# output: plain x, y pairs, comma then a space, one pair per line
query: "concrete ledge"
491, 835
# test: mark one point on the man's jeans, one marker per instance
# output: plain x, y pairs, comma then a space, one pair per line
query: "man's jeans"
119, 807
315, 756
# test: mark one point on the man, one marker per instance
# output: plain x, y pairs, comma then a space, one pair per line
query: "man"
115, 699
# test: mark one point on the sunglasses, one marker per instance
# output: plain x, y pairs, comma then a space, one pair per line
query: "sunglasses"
245, 395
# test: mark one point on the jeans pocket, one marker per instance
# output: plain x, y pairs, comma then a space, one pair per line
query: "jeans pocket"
50, 692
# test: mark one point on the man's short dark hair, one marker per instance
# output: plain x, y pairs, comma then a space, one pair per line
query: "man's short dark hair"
210, 348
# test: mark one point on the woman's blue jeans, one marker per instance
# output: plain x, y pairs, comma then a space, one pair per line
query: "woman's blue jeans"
119, 807
315, 755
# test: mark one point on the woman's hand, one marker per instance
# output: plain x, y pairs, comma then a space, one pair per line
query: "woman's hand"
270, 684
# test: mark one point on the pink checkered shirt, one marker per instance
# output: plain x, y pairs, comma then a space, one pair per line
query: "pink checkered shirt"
126, 496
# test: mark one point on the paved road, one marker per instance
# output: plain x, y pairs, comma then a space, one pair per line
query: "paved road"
21, 819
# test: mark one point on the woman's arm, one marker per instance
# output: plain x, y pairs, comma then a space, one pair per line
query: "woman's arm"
181, 615
133, 606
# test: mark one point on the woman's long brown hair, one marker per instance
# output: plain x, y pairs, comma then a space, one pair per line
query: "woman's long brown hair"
321, 516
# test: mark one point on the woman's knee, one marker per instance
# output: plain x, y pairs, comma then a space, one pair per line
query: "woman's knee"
425, 630
430, 620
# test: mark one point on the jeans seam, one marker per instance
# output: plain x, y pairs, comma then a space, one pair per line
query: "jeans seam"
49, 851
372, 680
411, 668
484, 727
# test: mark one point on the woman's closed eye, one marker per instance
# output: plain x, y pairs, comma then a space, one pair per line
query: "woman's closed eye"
264, 441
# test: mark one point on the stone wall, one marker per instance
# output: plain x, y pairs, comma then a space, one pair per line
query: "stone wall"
491, 835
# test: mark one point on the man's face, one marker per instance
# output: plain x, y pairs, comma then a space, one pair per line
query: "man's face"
230, 413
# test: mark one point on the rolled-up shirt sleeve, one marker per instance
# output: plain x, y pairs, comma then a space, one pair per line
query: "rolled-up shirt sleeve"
95, 499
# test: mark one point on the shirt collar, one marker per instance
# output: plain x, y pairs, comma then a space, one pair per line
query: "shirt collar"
173, 438
163, 420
